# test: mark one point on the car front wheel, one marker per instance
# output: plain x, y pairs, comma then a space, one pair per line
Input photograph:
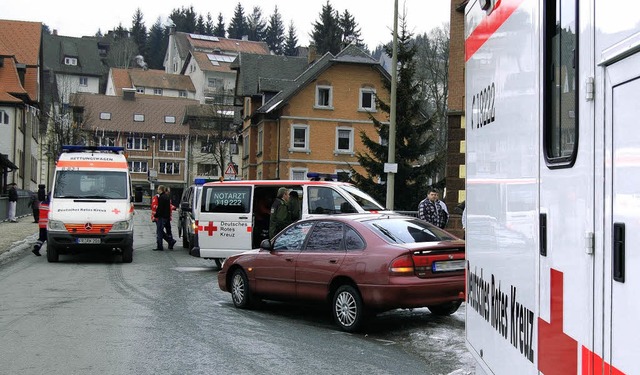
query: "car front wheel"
240, 293
445, 308
347, 308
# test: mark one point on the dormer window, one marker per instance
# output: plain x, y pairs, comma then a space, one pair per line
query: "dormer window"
71, 61
137, 117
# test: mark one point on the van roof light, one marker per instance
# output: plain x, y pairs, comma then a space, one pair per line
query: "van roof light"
202, 180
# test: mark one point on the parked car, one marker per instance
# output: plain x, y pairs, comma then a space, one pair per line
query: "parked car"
187, 214
361, 264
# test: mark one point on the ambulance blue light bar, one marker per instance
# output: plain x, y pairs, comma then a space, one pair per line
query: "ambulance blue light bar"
315, 176
202, 180
80, 148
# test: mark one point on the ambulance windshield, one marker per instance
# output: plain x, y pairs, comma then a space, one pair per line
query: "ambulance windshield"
90, 185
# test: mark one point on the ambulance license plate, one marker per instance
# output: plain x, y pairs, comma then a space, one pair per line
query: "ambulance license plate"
448, 265
92, 241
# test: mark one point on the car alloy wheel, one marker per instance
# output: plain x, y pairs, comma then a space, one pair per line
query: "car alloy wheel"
240, 293
347, 308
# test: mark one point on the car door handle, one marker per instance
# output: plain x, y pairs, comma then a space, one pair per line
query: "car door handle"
289, 259
333, 261
618, 252
243, 217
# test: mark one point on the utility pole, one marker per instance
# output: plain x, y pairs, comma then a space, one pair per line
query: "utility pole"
391, 168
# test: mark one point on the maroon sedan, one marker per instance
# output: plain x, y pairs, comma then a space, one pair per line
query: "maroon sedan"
361, 264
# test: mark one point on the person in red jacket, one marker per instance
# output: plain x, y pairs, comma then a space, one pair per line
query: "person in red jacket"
43, 220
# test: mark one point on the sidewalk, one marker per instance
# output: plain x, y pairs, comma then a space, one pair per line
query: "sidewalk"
16, 238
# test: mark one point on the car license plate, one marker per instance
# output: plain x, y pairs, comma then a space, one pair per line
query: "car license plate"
448, 265
89, 240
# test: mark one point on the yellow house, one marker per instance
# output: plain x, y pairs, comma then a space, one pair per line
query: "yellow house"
301, 117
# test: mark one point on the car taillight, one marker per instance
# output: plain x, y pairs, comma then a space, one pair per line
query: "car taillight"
402, 266
195, 228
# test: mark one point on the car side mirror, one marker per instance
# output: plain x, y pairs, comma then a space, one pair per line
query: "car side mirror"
185, 206
266, 244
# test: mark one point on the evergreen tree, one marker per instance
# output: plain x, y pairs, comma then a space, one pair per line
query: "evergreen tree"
219, 30
238, 26
200, 26
326, 34
158, 42
139, 33
256, 25
350, 30
414, 139
275, 33
291, 43
184, 19
208, 26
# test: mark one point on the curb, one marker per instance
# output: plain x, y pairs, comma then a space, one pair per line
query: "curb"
17, 249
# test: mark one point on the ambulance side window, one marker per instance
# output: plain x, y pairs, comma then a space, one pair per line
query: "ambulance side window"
226, 199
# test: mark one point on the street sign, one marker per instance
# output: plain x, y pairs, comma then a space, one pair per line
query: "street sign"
231, 170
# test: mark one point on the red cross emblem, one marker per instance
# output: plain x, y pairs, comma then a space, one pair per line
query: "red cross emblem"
209, 228
115, 211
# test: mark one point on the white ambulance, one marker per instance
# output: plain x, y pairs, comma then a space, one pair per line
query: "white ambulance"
233, 216
553, 168
91, 205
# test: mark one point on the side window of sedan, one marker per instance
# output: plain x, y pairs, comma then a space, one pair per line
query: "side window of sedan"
326, 236
293, 238
352, 240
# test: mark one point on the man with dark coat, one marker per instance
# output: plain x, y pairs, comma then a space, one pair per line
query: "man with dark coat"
280, 217
163, 215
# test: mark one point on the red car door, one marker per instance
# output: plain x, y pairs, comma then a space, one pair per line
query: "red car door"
319, 260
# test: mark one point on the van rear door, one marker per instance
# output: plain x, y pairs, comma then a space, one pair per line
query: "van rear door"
224, 224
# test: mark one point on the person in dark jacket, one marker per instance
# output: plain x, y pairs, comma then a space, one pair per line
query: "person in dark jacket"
280, 217
163, 215
294, 206
43, 220
13, 202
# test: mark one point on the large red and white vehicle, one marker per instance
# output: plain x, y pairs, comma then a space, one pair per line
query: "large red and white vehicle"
553, 186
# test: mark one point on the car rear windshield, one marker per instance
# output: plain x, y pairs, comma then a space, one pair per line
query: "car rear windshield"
408, 230
226, 199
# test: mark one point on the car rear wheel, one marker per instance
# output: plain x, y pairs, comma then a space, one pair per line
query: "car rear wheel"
445, 308
127, 254
347, 308
52, 253
240, 293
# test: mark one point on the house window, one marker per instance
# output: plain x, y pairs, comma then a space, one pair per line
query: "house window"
138, 166
137, 143
84, 81
169, 168
70, 61
21, 162
170, 119
343, 175
157, 91
215, 83
34, 169
107, 141
137, 117
299, 173
344, 140
207, 170
245, 147
367, 99
324, 97
4, 117
260, 140
182, 94
105, 115
172, 145
300, 137
140, 90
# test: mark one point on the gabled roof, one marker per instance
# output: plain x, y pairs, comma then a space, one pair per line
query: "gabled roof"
349, 55
259, 73
154, 109
151, 78
20, 43
85, 50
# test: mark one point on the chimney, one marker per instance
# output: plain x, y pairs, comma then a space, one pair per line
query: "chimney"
311, 54
128, 93
55, 32
245, 38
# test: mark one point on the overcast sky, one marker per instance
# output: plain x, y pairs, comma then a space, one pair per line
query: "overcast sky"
78, 18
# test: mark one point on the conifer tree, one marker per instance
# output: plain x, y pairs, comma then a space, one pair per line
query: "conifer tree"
414, 139
275, 33
139, 33
208, 25
256, 25
291, 43
219, 29
238, 26
184, 19
200, 25
350, 30
326, 34
158, 43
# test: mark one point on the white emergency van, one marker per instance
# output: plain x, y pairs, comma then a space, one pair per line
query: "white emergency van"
553, 186
91, 205
234, 215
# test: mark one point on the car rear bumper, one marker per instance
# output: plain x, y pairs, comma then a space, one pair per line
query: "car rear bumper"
411, 292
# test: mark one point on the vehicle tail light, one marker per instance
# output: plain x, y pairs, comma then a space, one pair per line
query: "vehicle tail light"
402, 266
195, 227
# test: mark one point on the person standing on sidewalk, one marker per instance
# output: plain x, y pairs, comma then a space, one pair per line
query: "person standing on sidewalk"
13, 202
43, 220
162, 215
34, 203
